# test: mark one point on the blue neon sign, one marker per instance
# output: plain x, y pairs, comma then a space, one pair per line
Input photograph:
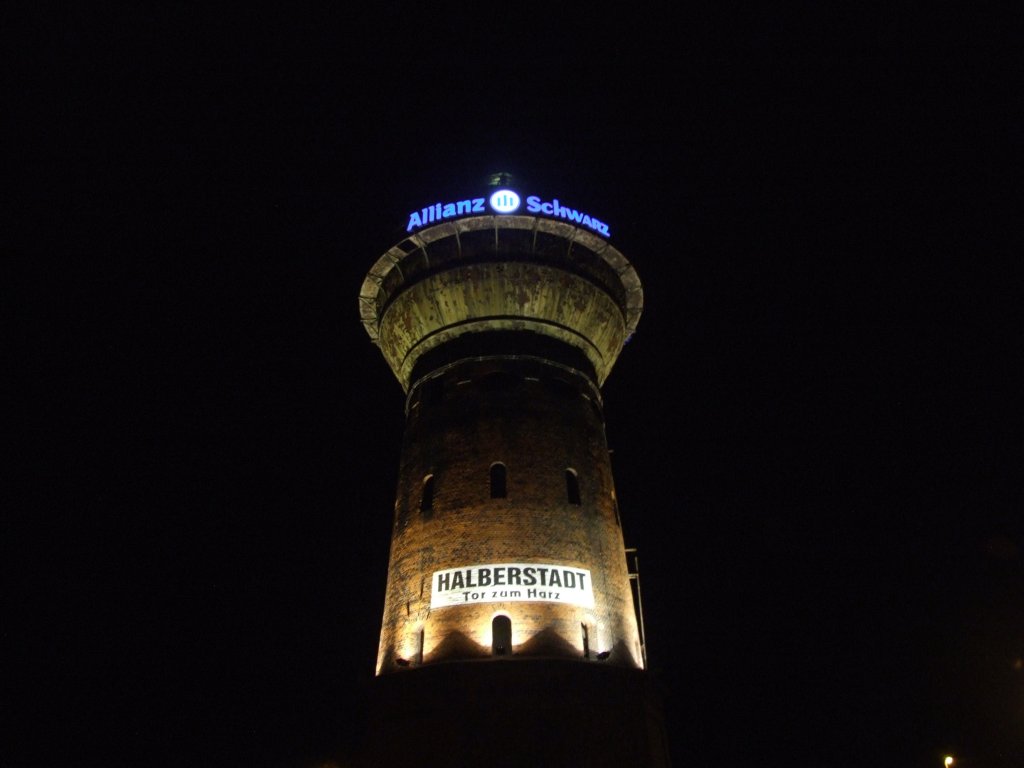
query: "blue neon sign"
503, 201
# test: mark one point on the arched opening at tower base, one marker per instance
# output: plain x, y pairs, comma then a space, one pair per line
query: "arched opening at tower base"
501, 635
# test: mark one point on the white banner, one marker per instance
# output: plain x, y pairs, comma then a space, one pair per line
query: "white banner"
506, 582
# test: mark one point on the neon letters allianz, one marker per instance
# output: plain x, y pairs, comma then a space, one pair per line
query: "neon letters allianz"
553, 208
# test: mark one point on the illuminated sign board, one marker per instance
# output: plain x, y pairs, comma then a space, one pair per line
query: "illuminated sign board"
512, 582
503, 201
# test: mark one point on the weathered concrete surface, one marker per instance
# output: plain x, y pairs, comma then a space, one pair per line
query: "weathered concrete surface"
500, 273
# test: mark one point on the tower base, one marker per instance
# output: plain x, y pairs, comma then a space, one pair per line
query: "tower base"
508, 712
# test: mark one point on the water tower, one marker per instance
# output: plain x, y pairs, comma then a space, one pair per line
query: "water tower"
510, 631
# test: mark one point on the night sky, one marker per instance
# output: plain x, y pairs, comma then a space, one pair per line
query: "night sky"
816, 428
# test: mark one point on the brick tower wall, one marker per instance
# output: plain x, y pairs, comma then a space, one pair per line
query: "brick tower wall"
539, 419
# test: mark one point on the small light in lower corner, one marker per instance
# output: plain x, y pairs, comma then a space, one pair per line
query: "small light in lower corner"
948, 761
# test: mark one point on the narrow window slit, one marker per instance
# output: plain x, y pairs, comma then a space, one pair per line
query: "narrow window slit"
427, 498
499, 488
572, 486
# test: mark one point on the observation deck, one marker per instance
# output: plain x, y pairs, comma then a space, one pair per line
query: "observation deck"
500, 273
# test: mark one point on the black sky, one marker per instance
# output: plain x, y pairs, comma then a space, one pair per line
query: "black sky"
816, 429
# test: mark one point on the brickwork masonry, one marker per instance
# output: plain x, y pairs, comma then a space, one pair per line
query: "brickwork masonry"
538, 422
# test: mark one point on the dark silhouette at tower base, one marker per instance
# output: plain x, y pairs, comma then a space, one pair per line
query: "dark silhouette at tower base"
499, 714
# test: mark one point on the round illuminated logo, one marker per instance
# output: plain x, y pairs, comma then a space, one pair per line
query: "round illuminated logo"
504, 201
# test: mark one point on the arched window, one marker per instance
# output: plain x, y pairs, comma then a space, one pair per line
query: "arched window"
427, 498
501, 635
499, 489
572, 487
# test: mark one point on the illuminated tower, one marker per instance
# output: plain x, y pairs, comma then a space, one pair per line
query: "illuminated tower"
501, 315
